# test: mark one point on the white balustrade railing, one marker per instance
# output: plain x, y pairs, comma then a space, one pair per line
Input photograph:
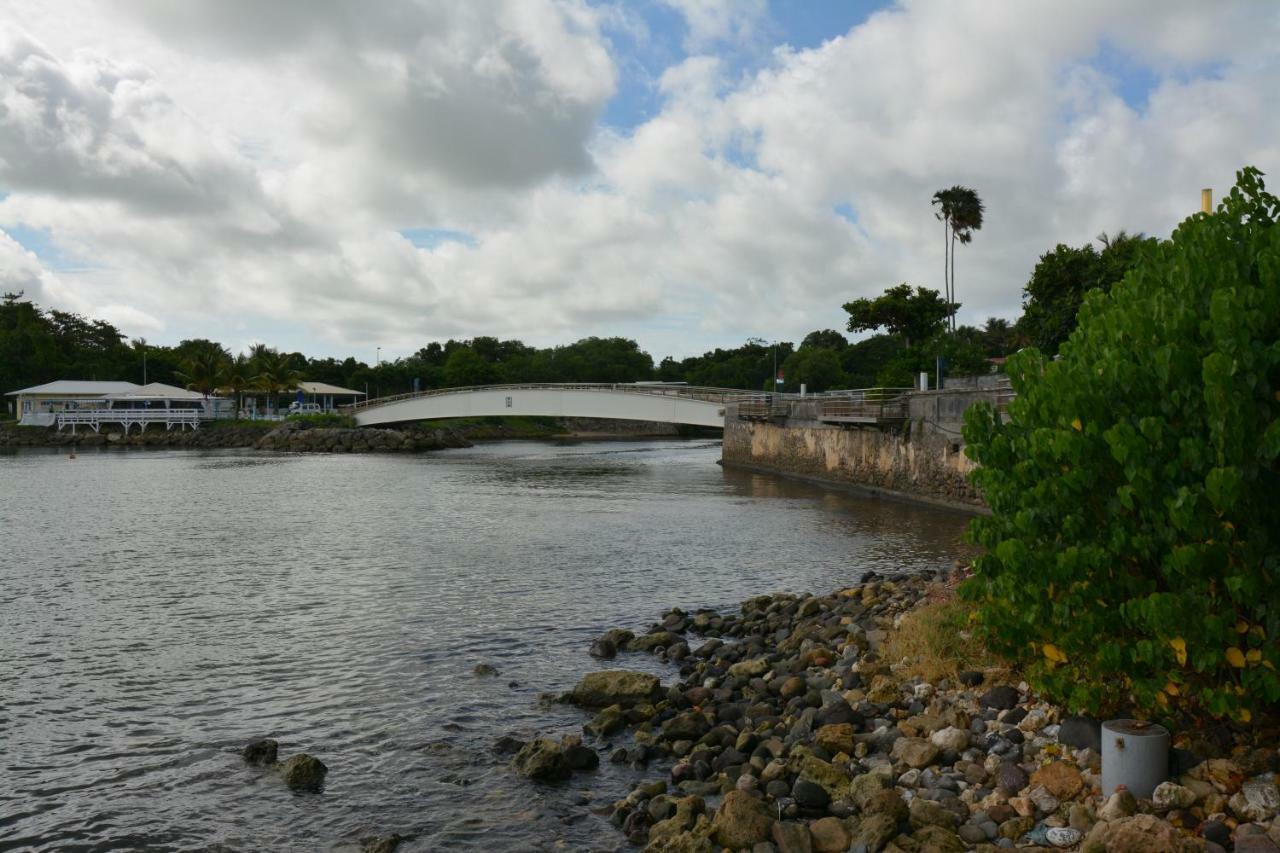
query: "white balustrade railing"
95, 418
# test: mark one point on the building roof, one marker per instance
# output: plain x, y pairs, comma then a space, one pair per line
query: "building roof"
79, 388
325, 388
156, 391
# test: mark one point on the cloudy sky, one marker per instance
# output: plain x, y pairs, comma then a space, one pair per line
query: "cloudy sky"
333, 175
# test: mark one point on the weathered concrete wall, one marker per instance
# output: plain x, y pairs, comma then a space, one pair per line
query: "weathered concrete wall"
922, 458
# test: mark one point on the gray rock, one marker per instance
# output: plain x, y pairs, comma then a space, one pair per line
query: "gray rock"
1011, 778
1081, 733
1000, 698
304, 772
542, 759
261, 753
615, 687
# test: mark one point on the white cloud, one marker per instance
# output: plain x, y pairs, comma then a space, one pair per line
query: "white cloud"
208, 168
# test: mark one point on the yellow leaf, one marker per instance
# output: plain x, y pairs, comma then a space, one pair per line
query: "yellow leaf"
1179, 646
1242, 627
1235, 657
1257, 631
1269, 665
1245, 716
1171, 689
1054, 654
1163, 700
1076, 423
1253, 655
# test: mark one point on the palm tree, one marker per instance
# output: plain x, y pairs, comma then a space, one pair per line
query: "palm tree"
202, 371
960, 210
238, 377
275, 374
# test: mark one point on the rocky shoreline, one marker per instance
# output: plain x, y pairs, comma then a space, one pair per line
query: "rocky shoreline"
295, 437
789, 730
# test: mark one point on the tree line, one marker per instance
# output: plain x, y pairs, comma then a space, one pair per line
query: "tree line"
913, 327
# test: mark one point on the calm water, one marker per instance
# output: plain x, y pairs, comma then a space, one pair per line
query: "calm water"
161, 609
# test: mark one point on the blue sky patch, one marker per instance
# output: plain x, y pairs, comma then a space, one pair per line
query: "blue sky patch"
430, 238
40, 242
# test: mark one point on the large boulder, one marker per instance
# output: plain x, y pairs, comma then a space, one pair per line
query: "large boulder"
741, 821
542, 759
615, 687
261, 753
304, 772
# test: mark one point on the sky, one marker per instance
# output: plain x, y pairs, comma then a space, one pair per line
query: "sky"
334, 176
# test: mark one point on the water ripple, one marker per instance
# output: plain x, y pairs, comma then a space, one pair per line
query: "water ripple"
339, 604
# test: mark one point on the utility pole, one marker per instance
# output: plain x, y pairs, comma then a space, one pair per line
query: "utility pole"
1206, 200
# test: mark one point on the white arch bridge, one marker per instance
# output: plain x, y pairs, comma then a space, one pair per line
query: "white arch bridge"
674, 404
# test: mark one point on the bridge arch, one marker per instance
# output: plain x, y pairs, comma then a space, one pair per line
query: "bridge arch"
676, 404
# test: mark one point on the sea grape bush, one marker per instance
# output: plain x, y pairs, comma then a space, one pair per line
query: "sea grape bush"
1131, 554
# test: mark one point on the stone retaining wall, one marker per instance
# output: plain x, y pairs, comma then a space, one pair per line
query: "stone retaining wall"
922, 458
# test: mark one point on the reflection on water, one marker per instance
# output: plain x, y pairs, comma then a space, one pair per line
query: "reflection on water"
161, 609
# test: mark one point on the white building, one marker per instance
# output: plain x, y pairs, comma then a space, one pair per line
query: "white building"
72, 401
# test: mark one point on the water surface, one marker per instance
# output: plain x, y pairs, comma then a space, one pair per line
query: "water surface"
162, 609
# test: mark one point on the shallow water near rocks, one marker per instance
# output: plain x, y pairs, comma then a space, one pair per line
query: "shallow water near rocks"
162, 609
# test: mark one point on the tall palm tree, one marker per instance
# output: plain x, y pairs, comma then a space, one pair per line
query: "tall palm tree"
238, 377
275, 375
960, 210
202, 371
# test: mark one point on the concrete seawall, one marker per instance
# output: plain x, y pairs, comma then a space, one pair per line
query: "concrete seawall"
919, 458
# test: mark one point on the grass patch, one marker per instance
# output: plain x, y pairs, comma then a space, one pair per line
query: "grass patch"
324, 419
936, 640
223, 423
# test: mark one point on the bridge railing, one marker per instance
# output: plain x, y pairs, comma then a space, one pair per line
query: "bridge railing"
685, 392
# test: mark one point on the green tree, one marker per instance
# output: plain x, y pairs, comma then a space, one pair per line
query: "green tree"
1060, 280
960, 211
915, 315
825, 339
275, 374
817, 368
864, 361
999, 338
465, 367
1134, 540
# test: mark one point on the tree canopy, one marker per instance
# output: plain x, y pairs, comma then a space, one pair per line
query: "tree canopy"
916, 314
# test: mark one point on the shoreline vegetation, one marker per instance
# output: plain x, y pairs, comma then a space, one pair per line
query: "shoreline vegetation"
873, 719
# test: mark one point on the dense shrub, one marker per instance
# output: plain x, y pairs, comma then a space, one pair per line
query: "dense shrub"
1131, 555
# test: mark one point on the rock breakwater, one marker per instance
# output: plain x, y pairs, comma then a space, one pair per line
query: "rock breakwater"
789, 731
289, 436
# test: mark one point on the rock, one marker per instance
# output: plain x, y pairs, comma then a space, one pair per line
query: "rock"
507, 745
615, 687
579, 757
1261, 800
914, 752
1170, 795
1254, 843
655, 640
542, 759
833, 779
950, 739
1142, 833
1063, 836
791, 837
261, 753
741, 821
690, 725
1000, 698
607, 722
304, 772
1217, 832
603, 648
829, 835
686, 814
836, 738
888, 803
1119, 805
1011, 778
928, 813
750, 668
381, 843
874, 832
810, 795
970, 678
484, 669
863, 787
1081, 733
1060, 778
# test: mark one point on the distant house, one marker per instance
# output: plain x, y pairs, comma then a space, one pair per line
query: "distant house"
75, 399
327, 396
